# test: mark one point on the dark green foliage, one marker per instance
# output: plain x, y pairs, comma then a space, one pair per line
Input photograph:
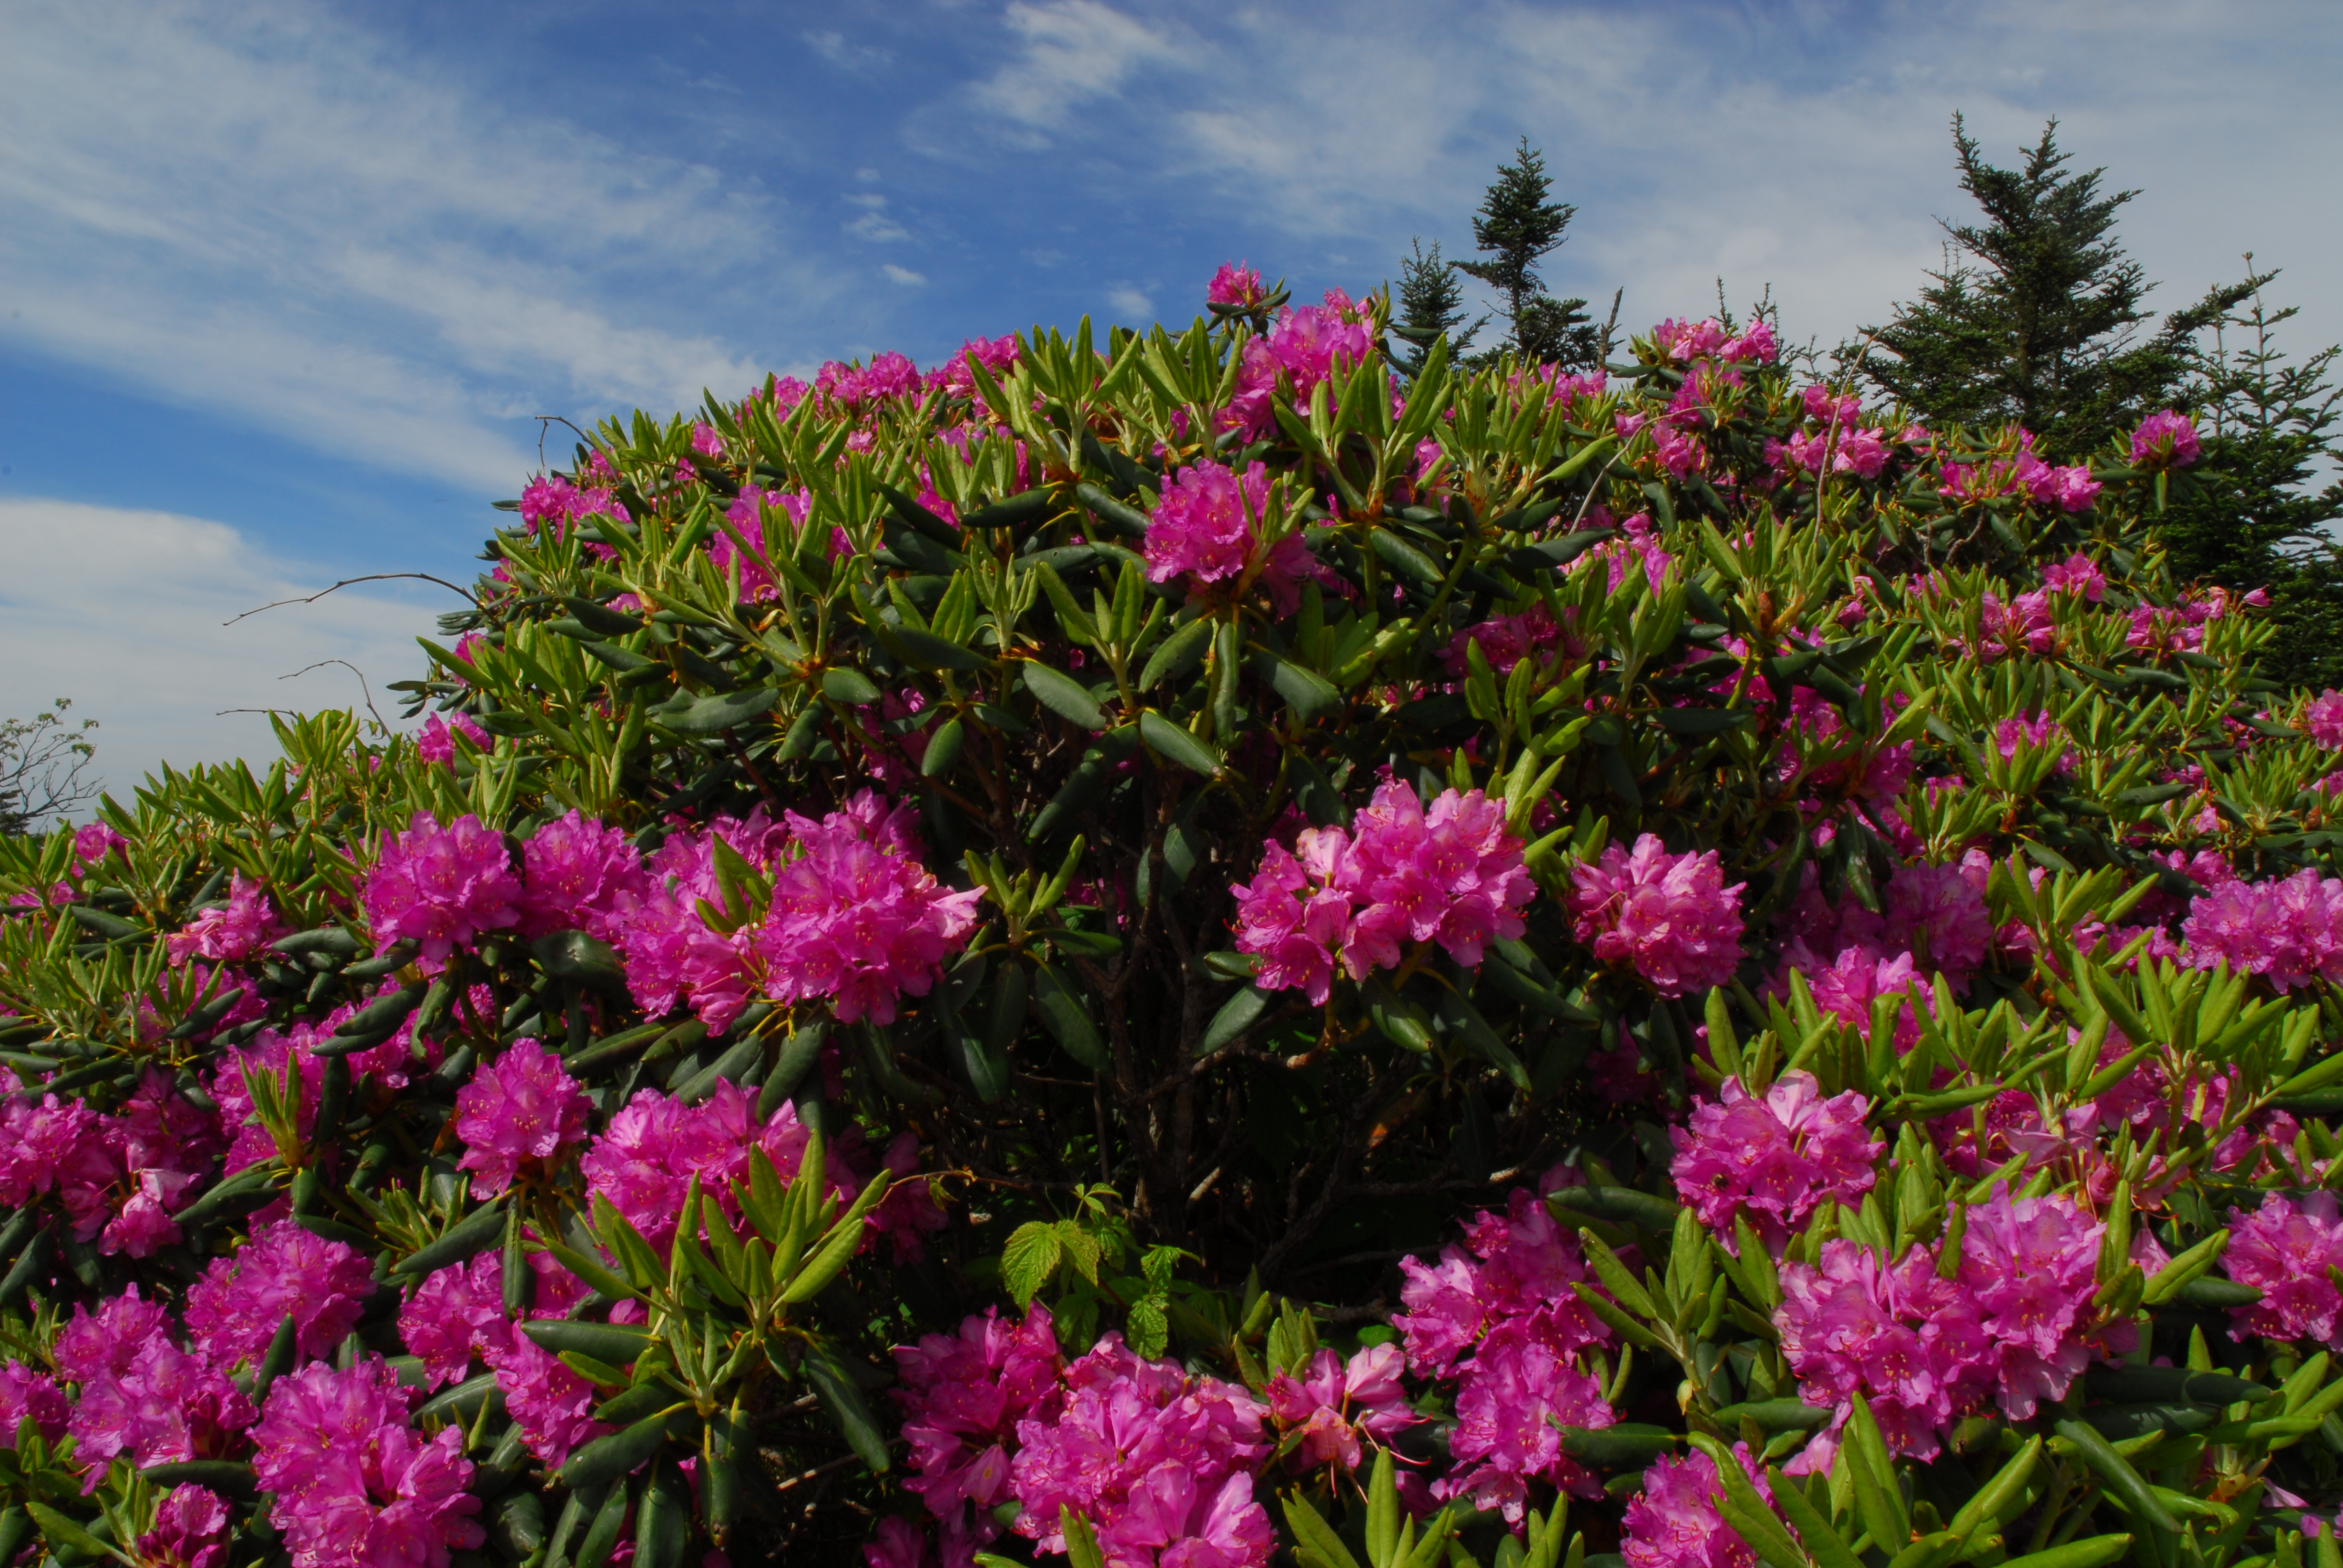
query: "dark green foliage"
2035, 317
1430, 306
2248, 517
1518, 226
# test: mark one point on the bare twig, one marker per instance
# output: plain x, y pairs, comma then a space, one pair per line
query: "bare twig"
364, 685
345, 582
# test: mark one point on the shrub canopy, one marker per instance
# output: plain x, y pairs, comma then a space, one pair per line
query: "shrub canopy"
1454, 968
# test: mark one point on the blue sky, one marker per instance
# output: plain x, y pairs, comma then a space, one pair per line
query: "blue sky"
282, 285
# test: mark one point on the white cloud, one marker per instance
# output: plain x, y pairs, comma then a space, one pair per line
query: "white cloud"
833, 47
1132, 302
874, 225
253, 208
904, 274
1072, 51
122, 611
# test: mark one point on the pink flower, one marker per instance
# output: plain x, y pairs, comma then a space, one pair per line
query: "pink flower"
190, 1531
93, 841
2165, 440
229, 933
1211, 527
1776, 1159
1131, 1446
29, 1395
1400, 875
751, 514
2284, 1251
457, 1310
234, 1310
142, 1394
2079, 574
856, 919
441, 888
962, 1396
520, 1107
578, 874
1307, 345
1669, 916
1236, 284
1334, 1405
2290, 930
436, 742
2322, 717
1674, 1522
355, 1484
1512, 1400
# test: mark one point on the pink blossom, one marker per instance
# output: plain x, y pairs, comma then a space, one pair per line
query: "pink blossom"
436, 742
1212, 527
2077, 574
1675, 1522
1306, 345
190, 1531
856, 920
29, 1395
751, 514
234, 1310
355, 1484
577, 873
229, 933
1776, 1159
2290, 930
441, 888
2023, 625
93, 841
1131, 1446
1400, 875
963, 1395
141, 1394
2322, 717
1334, 1405
1668, 916
1236, 284
2284, 1249
520, 1108
2164, 439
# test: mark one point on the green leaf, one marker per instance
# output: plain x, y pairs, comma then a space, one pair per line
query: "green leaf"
1308, 693
1178, 654
1175, 743
929, 651
714, 714
1066, 1018
843, 1399
1064, 695
616, 1343
477, 1232
1235, 1015
1029, 1260
607, 1458
1699, 722
1314, 1541
851, 687
2095, 1552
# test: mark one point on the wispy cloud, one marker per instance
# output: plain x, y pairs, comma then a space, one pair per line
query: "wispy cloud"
252, 206
904, 276
1135, 304
123, 611
1070, 52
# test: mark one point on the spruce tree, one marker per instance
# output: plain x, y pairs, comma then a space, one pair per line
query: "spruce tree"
2247, 516
2035, 315
1430, 306
1516, 228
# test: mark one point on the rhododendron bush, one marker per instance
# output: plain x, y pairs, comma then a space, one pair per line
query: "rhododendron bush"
1164, 951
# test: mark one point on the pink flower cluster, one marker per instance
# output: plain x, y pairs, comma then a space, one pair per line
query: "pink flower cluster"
1502, 1320
748, 514
1675, 1522
229, 933
118, 1177
578, 874
2164, 439
2070, 490
234, 1310
1336, 1405
2290, 930
440, 888
520, 1109
855, 918
962, 1397
554, 504
190, 1531
356, 1486
1307, 344
141, 1394
1236, 284
436, 742
2284, 1249
2013, 1327
1686, 341
1208, 524
1400, 875
2322, 718
2077, 574
1776, 1159
459, 1310
1670, 917
2181, 625
1161, 1462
